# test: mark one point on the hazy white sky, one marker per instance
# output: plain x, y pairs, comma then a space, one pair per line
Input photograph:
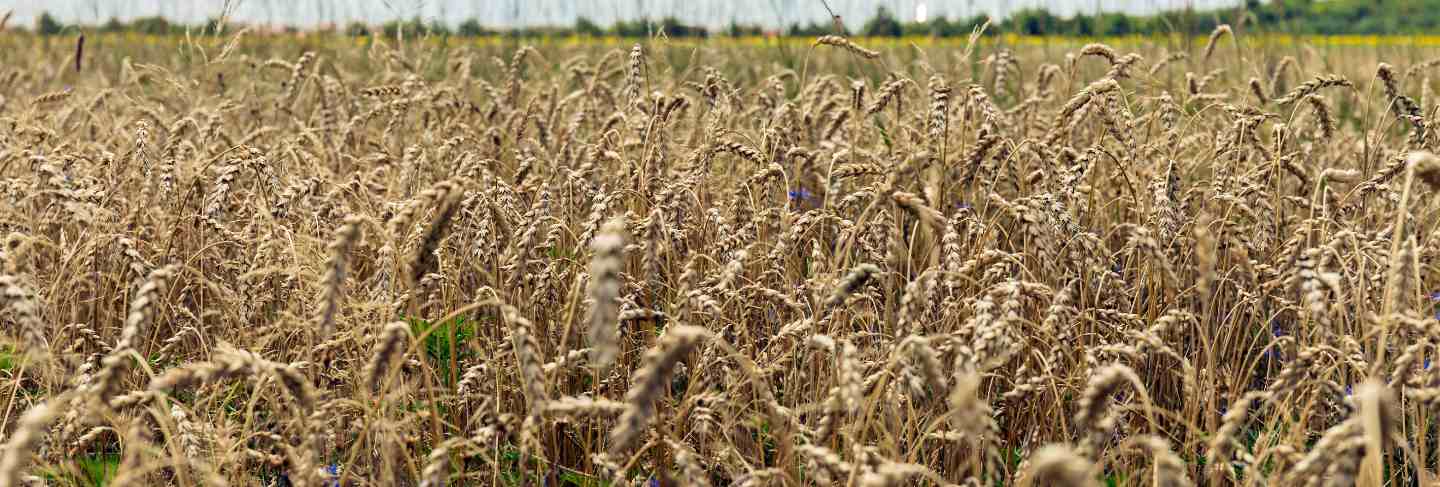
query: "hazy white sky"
712, 13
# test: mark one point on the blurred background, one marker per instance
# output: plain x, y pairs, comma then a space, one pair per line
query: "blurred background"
711, 14
689, 18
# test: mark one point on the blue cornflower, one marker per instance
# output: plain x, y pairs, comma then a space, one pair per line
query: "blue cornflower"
652, 483
332, 471
800, 194
964, 206
1435, 296
1427, 364
1275, 329
1348, 390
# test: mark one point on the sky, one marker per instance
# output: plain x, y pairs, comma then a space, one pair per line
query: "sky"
502, 13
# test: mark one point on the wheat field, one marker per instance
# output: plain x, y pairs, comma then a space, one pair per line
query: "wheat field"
255, 260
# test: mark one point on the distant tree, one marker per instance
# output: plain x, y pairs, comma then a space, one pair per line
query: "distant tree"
935, 27
963, 28
1114, 25
113, 25
882, 25
674, 28
1033, 22
437, 28
940, 26
47, 25
152, 25
811, 30
471, 28
735, 29
357, 29
586, 27
411, 28
633, 28
212, 26
1082, 25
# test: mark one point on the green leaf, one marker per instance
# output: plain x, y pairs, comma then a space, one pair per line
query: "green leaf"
100, 469
568, 478
8, 359
884, 136
441, 339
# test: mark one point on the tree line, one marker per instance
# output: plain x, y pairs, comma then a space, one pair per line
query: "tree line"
1326, 17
